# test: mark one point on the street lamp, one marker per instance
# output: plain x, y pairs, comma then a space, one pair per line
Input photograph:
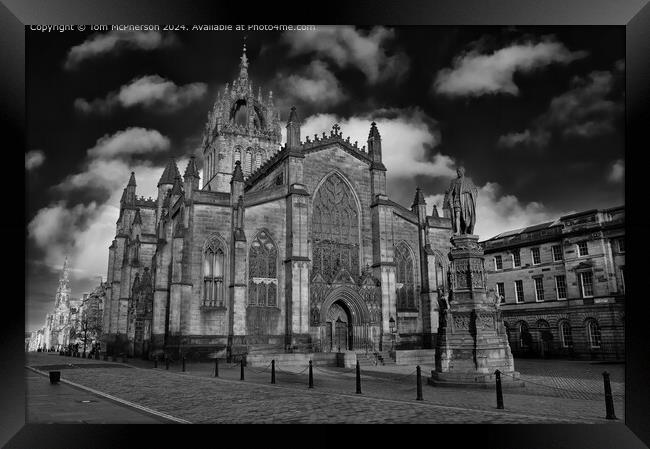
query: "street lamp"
391, 326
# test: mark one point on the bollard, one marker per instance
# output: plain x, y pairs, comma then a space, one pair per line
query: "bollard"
183, 367
55, 377
114, 358
272, 371
241, 377
497, 374
311, 376
105, 357
97, 356
358, 378
155, 362
419, 384
83, 355
216, 367
609, 401
166, 362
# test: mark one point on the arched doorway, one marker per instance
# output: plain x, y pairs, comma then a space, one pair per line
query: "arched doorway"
338, 328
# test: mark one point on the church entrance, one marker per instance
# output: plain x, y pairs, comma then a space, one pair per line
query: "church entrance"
338, 328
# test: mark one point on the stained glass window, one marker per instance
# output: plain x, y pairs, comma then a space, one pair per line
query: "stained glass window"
262, 271
213, 270
404, 277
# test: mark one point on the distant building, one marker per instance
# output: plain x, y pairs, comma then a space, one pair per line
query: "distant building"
562, 285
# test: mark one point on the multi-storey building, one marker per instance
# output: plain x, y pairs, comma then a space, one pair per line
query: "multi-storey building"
562, 285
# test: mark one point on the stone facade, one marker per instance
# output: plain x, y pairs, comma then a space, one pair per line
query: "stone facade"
293, 248
571, 274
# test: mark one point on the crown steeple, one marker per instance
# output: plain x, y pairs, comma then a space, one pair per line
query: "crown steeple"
170, 173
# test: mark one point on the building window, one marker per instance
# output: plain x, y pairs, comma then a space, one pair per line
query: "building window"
557, 253
593, 333
565, 334
539, 289
524, 335
560, 286
213, 291
404, 277
263, 272
237, 155
536, 257
621, 245
516, 258
582, 249
501, 291
519, 291
498, 263
622, 270
587, 284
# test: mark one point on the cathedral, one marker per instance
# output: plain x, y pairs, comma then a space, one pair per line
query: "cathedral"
292, 247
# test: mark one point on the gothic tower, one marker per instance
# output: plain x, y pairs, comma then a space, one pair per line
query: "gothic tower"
241, 127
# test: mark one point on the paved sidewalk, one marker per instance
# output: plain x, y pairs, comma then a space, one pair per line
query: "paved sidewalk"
388, 395
63, 404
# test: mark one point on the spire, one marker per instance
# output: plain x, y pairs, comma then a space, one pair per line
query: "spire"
374, 132
176, 189
64, 271
132, 179
123, 199
170, 173
243, 64
374, 143
191, 170
419, 198
237, 174
293, 129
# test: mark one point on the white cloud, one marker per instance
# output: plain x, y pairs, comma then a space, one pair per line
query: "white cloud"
476, 74
346, 46
582, 111
617, 171
316, 85
497, 213
115, 41
130, 141
406, 134
34, 159
151, 91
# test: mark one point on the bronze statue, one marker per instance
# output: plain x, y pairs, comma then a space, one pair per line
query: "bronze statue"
460, 199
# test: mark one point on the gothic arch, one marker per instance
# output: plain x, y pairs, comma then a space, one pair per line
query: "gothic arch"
335, 227
353, 301
405, 269
214, 271
263, 270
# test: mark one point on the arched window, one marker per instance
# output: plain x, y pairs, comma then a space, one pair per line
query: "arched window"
524, 334
566, 339
213, 274
404, 277
263, 271
593, 333
258, 159
335, 230
250, 163
237, 155
240, 113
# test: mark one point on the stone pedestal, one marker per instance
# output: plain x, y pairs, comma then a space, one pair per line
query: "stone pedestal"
472, 342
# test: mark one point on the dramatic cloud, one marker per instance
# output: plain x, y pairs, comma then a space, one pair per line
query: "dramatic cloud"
151, 91
115, 41
497, 213
347, 47
582, 111
316, 85
408, 136
131, 141
476, 74
616, 171
34, 159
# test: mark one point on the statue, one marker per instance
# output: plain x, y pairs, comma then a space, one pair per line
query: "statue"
460, 199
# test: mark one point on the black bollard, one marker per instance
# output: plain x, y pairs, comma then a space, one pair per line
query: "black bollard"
419, 384
609, 401
241, 377
272, 371
166, 362
155, 362
105, 357
497, 374
358, 378
311, 376
183, 367
216, 367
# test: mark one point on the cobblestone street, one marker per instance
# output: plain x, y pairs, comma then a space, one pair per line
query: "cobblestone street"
388, 393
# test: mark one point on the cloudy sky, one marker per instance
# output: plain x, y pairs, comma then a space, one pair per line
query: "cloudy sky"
535, 115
